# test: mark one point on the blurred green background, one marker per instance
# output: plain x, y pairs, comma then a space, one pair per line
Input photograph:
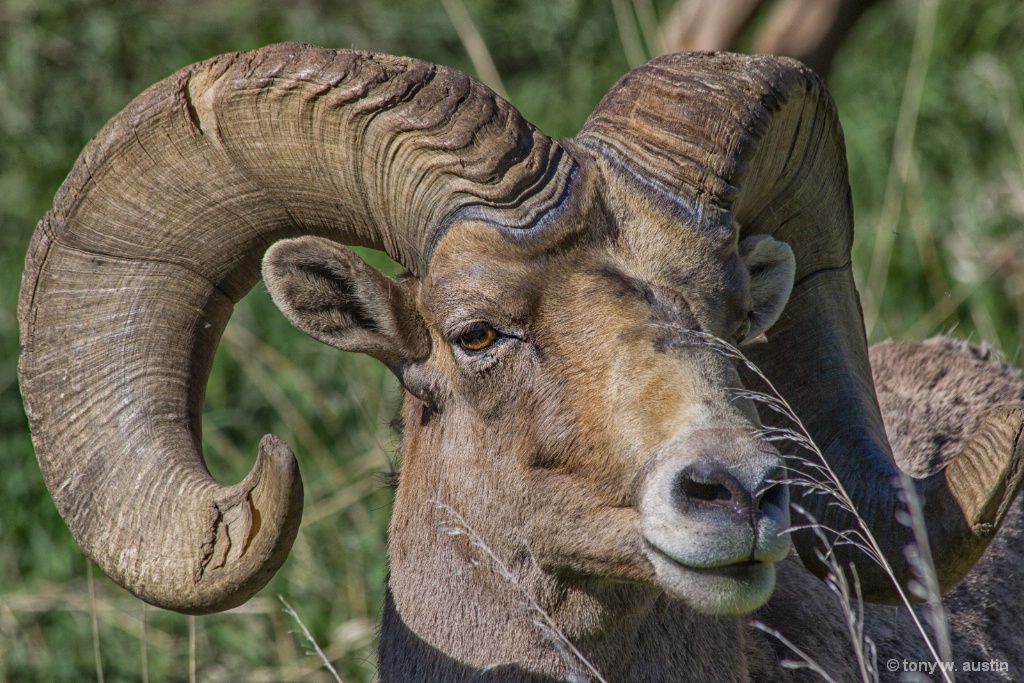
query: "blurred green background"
936, 148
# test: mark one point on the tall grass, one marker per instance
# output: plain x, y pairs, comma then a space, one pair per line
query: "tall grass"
953, 249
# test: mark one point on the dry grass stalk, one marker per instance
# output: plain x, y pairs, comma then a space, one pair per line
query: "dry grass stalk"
309, 638
629, 35
192, 650
476, 46
144, 638
95, 622
926, 585
543, 621
825, 482
902, 159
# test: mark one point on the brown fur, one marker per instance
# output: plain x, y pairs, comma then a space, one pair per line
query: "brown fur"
636, 633
540, 448
525, 465
931, 402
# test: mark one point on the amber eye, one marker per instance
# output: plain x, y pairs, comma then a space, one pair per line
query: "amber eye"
743, 330
477, 337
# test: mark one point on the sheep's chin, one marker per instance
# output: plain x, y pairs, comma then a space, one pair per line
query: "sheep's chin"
730, 589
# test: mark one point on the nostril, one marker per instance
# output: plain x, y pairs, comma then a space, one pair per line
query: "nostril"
710, 487
695, 490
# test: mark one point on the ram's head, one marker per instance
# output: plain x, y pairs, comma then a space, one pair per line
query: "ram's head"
547, 333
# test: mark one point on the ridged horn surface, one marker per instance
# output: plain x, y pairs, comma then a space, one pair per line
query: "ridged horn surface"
756, 141
159, 230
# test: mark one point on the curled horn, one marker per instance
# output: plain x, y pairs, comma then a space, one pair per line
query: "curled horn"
756, 142
159, 230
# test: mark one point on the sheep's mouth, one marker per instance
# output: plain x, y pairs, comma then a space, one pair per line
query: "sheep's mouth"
736, 587
722, 567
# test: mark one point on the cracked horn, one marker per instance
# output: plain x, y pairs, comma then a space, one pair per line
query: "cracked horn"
159, 230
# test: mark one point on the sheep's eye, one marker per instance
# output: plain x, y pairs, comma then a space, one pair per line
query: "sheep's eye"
477, 337
743, 330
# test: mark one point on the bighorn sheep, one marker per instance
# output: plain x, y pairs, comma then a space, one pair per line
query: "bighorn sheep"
556, 403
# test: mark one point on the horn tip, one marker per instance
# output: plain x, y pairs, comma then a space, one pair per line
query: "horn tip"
257, 522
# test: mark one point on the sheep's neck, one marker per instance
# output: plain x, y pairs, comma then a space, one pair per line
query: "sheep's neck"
467, 601
456, 611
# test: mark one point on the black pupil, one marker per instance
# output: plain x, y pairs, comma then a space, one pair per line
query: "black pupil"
476, 337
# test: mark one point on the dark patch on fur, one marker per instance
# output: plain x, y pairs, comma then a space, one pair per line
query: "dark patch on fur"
391, 478
397, 425
667, 306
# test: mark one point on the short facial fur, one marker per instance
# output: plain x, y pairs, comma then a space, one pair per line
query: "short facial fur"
563, 441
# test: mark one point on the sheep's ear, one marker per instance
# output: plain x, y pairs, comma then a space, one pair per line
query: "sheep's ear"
332, 295
772, 268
